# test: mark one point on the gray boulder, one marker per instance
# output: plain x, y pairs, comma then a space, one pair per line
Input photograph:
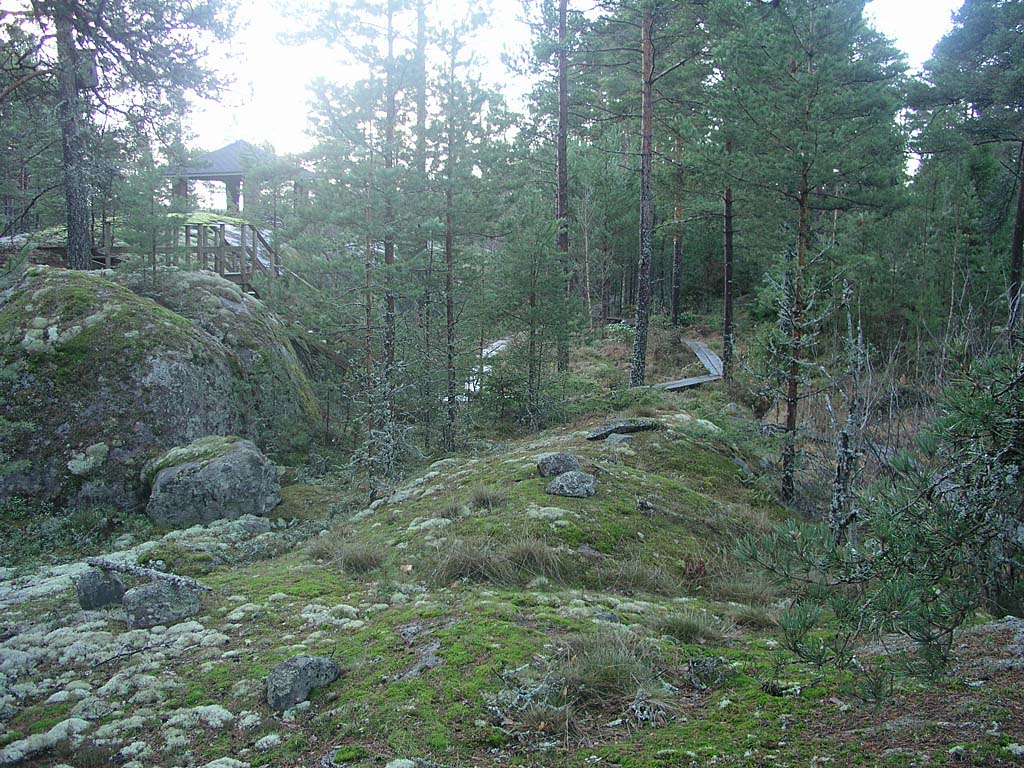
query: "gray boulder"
98, 589
159, 602
577, 485
214, 478
554, 464
290, 682
625, 427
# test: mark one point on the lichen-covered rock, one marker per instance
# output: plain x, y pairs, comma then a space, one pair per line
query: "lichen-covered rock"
554, 464
214, 478
577, 485
159, 603
103, 371
98, 589
291, 681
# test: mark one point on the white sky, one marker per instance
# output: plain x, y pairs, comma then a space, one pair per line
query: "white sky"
268, 101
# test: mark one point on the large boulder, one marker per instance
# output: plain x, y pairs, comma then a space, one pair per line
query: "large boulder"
159, 603
97, 379
214, 478
291, 681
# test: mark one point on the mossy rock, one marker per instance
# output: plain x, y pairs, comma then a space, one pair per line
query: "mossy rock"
105, 378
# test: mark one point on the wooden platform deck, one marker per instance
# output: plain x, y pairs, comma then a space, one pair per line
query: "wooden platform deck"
711, 361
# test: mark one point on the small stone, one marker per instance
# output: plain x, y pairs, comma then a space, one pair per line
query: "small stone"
97, 588
291, 681
618, 438
577, 485
268, 742
159, 603
401, 764
608, 616
554, 464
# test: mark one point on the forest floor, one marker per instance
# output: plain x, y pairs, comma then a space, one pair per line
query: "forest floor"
479, 621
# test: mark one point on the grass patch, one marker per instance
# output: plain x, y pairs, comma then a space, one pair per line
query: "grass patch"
485, 498
609, 666
691, 627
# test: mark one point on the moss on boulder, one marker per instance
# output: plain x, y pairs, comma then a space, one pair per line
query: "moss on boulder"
100, 373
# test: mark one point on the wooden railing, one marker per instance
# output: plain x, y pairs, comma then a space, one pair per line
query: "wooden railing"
207, 246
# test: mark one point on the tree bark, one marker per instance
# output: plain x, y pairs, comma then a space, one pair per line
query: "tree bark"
1017, 253
69, 115
728, 340
562, 192
796, 340
643, 300
677, 270
390, 118
449, 298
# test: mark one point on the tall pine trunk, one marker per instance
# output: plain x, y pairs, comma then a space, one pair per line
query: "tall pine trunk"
677, 270
562, 192
796, 319
390, 118
69, 115
643, 298
449, 300
728, 333
1017, 252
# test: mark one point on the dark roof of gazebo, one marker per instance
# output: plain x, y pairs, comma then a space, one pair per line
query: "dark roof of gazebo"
233, 161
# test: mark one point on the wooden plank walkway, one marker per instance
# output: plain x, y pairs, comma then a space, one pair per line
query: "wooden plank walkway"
711, 361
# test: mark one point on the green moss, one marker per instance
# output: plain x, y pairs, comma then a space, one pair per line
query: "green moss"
177, 559
307, 502
203, 451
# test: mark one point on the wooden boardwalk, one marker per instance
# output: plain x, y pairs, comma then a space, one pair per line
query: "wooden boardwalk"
711, 361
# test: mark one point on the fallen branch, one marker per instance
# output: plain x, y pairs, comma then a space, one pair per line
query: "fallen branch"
147, 573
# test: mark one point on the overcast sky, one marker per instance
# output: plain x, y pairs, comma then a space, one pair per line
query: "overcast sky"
268, 102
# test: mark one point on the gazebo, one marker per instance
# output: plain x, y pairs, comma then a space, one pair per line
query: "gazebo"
232, 166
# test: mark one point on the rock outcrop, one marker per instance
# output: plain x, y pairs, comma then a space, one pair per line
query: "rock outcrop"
102, 371
214, 478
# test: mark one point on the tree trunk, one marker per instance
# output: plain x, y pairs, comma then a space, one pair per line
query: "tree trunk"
728, 340
677, 270
389, 211
69, 115
562, 192
796, 339
643, 300
1017, 252
449, 295
371, 388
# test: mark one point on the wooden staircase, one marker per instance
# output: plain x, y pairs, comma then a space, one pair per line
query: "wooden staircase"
236, 252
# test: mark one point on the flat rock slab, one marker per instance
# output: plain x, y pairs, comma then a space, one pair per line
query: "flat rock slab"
291, 681
555, 464
576, 485
159, 603
625, 427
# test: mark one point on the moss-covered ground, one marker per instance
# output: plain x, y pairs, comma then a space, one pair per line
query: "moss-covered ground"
498, 662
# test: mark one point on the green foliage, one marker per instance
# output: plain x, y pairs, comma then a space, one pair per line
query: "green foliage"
930, 548
31, 531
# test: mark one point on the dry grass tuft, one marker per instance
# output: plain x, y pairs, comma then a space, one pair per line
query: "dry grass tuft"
691, 627
609, 666
488, 498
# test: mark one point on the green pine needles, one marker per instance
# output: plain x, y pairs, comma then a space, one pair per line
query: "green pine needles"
941, 539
